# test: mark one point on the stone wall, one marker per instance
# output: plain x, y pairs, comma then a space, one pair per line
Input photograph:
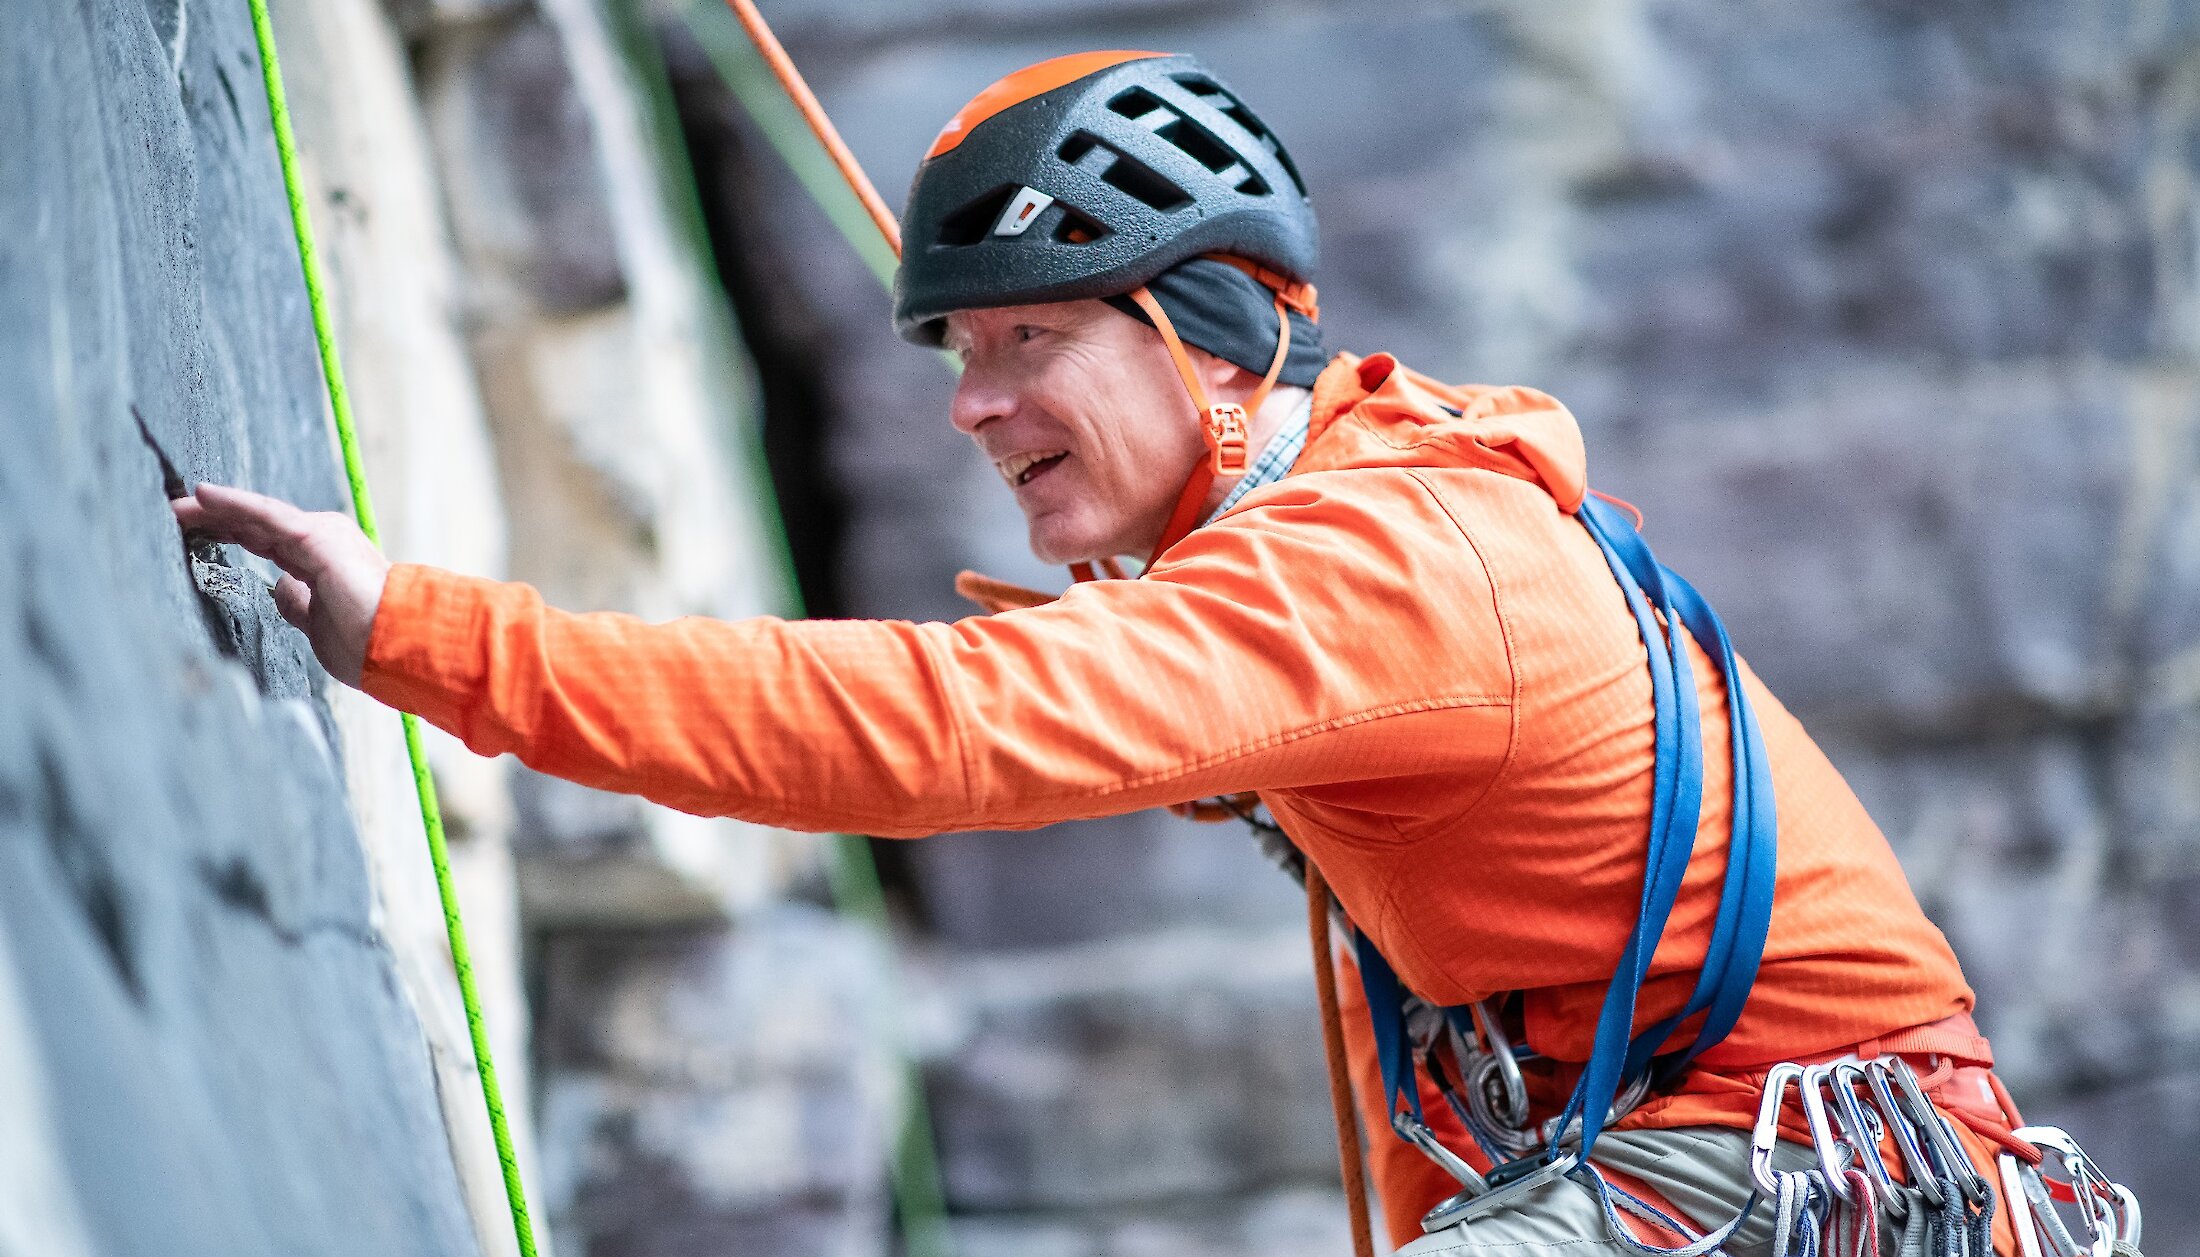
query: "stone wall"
228, 1022
1889, 316
216, 1035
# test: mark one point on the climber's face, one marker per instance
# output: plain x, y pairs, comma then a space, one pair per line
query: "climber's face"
1081, 411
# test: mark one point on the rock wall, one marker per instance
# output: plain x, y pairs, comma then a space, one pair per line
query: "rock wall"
227, 1017
1888, 315
210, 1034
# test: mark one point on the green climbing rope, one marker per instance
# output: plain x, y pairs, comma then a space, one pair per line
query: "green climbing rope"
431, 815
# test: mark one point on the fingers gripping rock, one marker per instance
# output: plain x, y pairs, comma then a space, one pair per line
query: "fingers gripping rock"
332, 575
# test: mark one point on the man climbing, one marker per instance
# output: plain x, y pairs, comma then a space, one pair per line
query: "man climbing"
1382, 618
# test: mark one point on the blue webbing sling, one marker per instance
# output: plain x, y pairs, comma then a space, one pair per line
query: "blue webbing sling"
1745, 899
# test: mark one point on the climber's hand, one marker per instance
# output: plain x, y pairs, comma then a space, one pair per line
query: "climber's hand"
332, 575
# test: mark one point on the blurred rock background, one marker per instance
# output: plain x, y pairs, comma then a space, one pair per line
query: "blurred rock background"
1888, 314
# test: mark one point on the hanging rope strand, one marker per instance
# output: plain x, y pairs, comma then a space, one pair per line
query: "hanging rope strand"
362, 506
1333, 1052
775, 56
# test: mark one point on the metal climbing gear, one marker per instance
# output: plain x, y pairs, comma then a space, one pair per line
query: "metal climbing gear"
2107, 1208
1940, 1135
1914, 1165
1838, 1201
1496, 1082
1865, 1125
1833, 1148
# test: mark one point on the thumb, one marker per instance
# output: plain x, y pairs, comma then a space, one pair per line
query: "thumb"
294, 598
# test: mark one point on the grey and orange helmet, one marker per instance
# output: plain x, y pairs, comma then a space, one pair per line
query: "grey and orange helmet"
1088, 176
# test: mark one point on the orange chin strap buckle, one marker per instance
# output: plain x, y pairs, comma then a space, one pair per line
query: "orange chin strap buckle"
1228, 435
1227, 428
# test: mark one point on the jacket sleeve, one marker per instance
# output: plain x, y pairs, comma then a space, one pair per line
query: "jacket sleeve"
1264, 653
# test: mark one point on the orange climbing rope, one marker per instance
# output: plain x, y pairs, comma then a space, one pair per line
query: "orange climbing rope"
1333, 1051
790, 78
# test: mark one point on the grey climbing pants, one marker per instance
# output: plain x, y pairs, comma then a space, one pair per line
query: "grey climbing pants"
1702, 1171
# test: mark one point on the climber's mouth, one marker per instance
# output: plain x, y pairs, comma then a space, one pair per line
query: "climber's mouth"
1021, 469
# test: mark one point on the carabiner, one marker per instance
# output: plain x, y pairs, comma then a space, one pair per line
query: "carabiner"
1513, 1111
1629, 1096
1940, 1134
1864, 1131
1823, 1137
1905, 1135
1416, 1132
2039, 1207
2019, 1206
1765, 1135
2111, 1211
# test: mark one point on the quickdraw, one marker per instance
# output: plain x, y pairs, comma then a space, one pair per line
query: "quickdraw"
1945, 1208
2108, 1209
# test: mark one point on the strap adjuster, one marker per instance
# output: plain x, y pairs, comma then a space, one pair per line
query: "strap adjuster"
1228, 436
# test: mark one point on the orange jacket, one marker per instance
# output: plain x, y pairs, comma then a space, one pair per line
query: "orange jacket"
1407, 646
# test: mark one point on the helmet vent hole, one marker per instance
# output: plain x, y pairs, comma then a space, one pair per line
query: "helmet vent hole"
1196, 144
1137, 103
1129, 175
1213, 94
1076, 228
1086, 153
969, 224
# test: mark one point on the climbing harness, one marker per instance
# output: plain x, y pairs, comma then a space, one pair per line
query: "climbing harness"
362, 505
1623, 1067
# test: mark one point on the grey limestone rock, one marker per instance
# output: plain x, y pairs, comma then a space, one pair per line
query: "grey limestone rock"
229, 1062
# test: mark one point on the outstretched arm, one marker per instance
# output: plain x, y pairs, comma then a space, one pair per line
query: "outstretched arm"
1211, 675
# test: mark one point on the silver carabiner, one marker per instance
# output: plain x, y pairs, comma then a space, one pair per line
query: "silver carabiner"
1823, 1137
1513, 1112
1905, 1135
2018, 1205
1864, 1131
1622, 1104
1765, 1135
1940, 1134
1417, 1133
2111, 1211
2039, 1208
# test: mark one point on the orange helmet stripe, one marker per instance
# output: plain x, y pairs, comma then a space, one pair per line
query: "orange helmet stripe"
1025, 84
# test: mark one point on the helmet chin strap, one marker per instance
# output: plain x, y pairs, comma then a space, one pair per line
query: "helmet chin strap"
1225, 426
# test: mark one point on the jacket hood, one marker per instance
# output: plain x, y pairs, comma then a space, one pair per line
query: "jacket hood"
1374, 412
